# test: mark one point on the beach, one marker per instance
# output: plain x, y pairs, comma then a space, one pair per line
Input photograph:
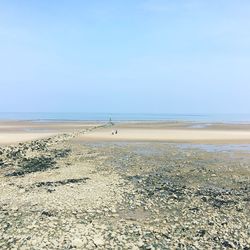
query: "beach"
125, 125
179, 132
13, 132
153, 185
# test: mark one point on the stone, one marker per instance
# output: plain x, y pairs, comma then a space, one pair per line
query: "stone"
140, 243
78, 243
98, 240
22, 191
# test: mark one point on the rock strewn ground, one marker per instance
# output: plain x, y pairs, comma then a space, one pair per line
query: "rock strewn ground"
122, 196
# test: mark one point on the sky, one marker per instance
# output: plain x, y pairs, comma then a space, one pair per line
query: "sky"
133, 56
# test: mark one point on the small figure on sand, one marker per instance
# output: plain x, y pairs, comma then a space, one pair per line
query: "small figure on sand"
114, 132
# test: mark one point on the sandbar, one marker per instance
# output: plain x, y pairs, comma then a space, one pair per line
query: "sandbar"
172, 132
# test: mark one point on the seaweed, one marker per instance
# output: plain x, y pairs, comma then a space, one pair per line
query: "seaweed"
36, 164
62, 182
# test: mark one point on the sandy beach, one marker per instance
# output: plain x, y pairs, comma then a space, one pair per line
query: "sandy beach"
13, 132
78, 187
173, 132
20, 131
14, 138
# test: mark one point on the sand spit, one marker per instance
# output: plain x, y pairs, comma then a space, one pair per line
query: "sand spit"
14, 132
62, 193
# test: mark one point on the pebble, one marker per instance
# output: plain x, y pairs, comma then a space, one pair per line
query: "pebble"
98, 240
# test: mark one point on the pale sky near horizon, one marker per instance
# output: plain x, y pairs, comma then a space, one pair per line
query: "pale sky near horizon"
161, 56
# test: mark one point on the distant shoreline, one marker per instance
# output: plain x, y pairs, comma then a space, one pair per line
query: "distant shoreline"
125, 117
51, 121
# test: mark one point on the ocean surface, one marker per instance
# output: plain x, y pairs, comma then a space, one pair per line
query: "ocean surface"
46, 117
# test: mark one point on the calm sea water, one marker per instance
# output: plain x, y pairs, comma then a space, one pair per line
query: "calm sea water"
207, 118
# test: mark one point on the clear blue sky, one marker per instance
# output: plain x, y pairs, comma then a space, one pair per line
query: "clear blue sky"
162, 56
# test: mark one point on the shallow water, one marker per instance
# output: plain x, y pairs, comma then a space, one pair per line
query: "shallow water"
200, 125
216, 148
144, 148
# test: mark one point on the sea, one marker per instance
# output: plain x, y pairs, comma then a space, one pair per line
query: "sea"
119, 117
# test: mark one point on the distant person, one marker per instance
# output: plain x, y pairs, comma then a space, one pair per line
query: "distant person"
116, 132
113, 132
110, 122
